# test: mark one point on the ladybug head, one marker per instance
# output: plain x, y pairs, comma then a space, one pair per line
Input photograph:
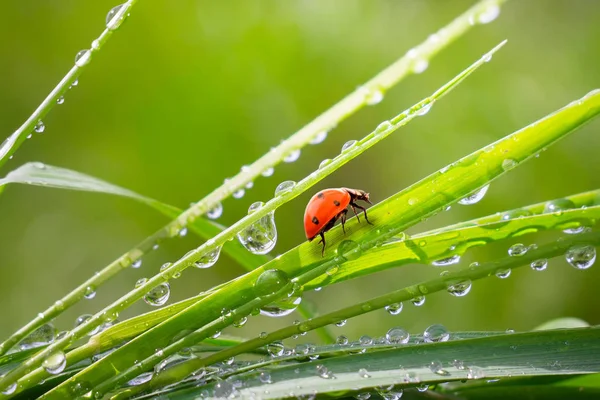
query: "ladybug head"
358, 194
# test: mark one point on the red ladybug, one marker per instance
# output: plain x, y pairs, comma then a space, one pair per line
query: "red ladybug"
329, 205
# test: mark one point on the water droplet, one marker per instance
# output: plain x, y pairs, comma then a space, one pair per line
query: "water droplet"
446, 261
282, 307
372, 96
558, 206
141, 379
292, 156
539, 265
84, 318
418, 301
458, 364
319, 138
363, 373
261, 236
489, 14
508, 164
341, 323
460, 289
55, 363
240, 322
10, 389
83, 57
141, 282
158, 295
265, 377
268, 172
397, 335
347, 250
284, 187
215, 212
503, 273
365, 340
208, 259
581, 256
422, 388
474, 197
239, 193
420, 65
115, 17
42, 336
394, 309
382, 127
90, 292
348, 145
438, 368
216, 334
60, 100
341, 339
325, 163
40, 127
275, 349
136, 263
424, 109
517, 250
183, 231
475, 373
436, 333
324, 373
487, 58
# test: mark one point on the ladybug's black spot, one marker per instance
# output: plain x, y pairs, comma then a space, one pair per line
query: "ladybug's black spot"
320, 195
315, 221
337, 203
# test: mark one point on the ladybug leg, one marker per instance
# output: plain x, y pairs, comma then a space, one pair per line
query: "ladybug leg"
354, 210
343, 214
364, 210
322, 241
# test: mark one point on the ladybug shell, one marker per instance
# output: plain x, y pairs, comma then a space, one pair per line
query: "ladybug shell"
322, 208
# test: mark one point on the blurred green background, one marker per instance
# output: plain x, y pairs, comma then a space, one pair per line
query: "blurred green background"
186, 92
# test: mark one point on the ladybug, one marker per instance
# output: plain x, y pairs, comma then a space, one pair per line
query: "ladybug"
329, 205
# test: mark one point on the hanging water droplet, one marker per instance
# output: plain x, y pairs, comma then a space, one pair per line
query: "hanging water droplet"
539, 265
438, 368
275, 349
261, 236
372, 96
115, 17
397, 336
503, 273
418, 301
474, 197
42, 336
240, 322
517, 250
10, 389
341, 323
489, 14
508, 164
284, 187
60, 100
249, 185
581, 256
487, 58
83, 57
460, 289
394, 309
141, 379
55, 363
436, 333
268, 172
282, 307
348, 145
209, 259
325, 163
446, 261
136, 263
90, 292
183, 231
424, 109
319, 138
39, 127
420, 65
239, 193
215, 212
324, 373
292, 156
158, 295
75, 83
363, 373
29, 137
82, 319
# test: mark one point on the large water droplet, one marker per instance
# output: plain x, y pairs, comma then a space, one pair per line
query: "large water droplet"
460, 289
40, 127
394, 309
158, 295
10, 389
558, 206
215, 212
270, 281
446, 261
321, 136
42, 336
436, 333
581, 256
115, 17
55, 363
292, 156
261, 236
517, 250
539, 265
397, 335
348, 145
284, 187
474, 197
489, 14
282, 307
83, 57
141, 379
209, 259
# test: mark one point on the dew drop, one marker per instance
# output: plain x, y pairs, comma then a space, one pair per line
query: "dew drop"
324, 373
474, 197
60, 100
55, 363
284, 187
319, 138
240, 322
365, 340
239, 193
341, 323
141, 282
581, 256
489, 14
418, 301
265, 377
394, 309
261, 236
363, 373
10, 389
475, 373
281, 308
503, 273
141, 379
208, 259
292, 156
460, 289
436, 333
508, 164
324, 163
42, 336
341, 339
517, 250
347, 250
268, 172
40, 127
269, 282
422, 388
424, 109
83, 58
383, 127
397, 336
348, 145
275, 349
159, 295
136, 263
115, 17
183, 231
90, 292
420, 65
539, 265
373, 96
215, 212
558, 206
84, 318
438, 368
446, 261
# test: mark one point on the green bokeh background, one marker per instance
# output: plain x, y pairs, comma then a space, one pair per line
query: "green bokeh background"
188, 91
